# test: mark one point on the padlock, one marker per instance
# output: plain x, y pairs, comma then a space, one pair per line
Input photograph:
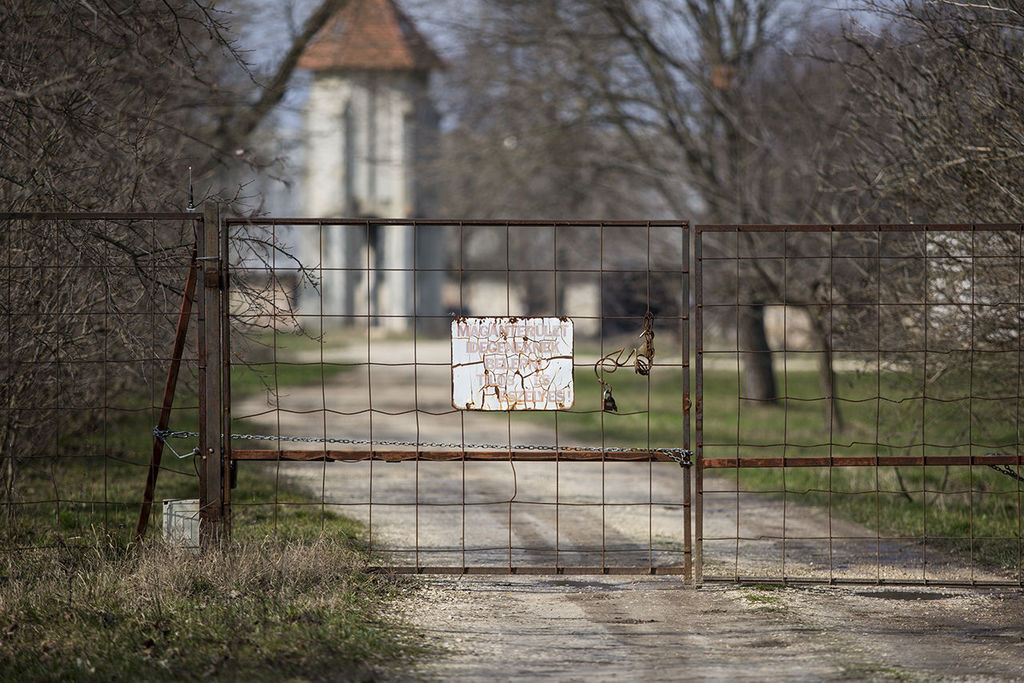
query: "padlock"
609, 401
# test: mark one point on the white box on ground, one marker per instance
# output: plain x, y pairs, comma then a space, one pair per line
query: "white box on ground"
181, 522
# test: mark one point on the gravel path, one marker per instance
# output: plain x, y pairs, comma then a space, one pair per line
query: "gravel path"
600, 629
622, 628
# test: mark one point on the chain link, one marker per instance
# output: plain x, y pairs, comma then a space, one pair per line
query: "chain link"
679, 455
1008, 471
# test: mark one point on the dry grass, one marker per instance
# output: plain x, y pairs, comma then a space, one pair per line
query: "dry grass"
256, 612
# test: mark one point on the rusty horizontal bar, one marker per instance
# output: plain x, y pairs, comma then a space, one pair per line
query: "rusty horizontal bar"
863, 461
851, 581
357, 455
531, 571
100, 216
952, 227
444, 316
455, 221
873, 256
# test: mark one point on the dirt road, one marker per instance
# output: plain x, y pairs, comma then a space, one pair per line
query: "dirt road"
621, 514
653, 630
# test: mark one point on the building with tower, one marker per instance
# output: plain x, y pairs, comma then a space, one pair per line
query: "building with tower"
370, 129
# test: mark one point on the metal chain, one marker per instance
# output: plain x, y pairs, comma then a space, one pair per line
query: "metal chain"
1008, 471
679, 455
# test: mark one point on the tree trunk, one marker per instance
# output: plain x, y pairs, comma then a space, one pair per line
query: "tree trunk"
7, 454
826, 374
755, 355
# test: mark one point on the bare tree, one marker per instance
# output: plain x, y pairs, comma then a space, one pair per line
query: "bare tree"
694, 107
103, 106
934, 112
934, 132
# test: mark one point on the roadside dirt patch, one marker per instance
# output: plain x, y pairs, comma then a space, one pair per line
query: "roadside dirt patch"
652, 629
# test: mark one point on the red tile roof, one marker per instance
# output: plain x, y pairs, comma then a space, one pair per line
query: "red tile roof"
369, 34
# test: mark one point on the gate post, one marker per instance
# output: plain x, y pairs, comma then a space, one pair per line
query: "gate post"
211, 390
687, 440
698, 457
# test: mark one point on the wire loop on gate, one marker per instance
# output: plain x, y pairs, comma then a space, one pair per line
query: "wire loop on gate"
640, 357
163, 434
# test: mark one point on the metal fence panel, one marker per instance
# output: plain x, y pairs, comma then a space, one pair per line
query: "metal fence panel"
364, 324
857, 409
90, 306
858, 395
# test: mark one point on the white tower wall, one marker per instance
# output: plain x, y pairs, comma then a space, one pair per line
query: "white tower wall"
367, 135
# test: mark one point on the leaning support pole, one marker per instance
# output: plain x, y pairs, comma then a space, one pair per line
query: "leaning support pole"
211, 396
165, 407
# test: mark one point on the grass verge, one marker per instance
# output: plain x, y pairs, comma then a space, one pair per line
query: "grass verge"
257, 612
289, 600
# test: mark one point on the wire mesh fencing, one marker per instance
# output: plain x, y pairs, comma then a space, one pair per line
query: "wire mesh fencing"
90, 305
858, 391
859, 394
342, 390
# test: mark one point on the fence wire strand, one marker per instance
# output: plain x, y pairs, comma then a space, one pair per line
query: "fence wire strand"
390, 403
888, 450
893, 451
90, 303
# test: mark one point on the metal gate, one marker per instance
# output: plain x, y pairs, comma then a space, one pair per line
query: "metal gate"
859, 404
858, 395
347, 323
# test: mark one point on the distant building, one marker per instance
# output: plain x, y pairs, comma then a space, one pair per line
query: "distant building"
370, 126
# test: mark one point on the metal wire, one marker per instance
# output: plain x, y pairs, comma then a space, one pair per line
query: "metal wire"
90, 304
680, 455
908, 339
500, 268
920, 324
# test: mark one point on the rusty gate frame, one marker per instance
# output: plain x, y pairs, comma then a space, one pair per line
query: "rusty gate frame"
217, 454
214, 386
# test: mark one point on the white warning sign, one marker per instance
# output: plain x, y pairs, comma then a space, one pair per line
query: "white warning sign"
512, 364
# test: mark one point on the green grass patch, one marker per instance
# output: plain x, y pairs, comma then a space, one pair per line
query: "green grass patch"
95, 483
882, 416
266, 376
290, 599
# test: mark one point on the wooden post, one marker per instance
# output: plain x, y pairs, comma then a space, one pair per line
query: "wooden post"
211, 442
